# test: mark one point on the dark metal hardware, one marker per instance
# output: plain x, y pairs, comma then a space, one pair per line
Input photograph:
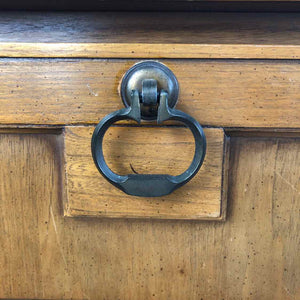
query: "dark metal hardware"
148, 101
149, 70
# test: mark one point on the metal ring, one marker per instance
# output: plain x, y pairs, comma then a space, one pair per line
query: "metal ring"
148, 185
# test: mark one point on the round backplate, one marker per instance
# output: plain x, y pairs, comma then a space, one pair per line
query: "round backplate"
134, 77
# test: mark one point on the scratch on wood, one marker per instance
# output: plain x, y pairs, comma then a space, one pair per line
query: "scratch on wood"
288, 183
57, 237
91, 91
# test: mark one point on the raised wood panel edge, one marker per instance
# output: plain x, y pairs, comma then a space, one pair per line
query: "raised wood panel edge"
225, 174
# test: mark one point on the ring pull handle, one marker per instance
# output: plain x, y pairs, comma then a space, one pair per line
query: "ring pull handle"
148, 185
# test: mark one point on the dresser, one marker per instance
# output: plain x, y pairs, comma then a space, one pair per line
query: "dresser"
231, 232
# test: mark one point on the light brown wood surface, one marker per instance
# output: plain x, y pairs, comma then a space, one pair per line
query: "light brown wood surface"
236, 71
150, 35
145, 151
149, 50
217, 93
253, 255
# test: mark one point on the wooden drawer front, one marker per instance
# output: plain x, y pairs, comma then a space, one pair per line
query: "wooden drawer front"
75, 93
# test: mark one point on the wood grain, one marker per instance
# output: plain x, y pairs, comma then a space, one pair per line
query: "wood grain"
160, 150
138, 50
217, 93
150, 35
253, 255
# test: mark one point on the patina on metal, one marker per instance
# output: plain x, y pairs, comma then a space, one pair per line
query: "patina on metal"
154, 103
149, 70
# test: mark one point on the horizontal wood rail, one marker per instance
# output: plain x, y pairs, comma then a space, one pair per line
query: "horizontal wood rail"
258, 94
150, 35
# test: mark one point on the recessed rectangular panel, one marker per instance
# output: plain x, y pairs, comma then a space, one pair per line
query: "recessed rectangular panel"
145, 150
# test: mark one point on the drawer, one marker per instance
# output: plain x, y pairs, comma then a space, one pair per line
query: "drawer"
75, 94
